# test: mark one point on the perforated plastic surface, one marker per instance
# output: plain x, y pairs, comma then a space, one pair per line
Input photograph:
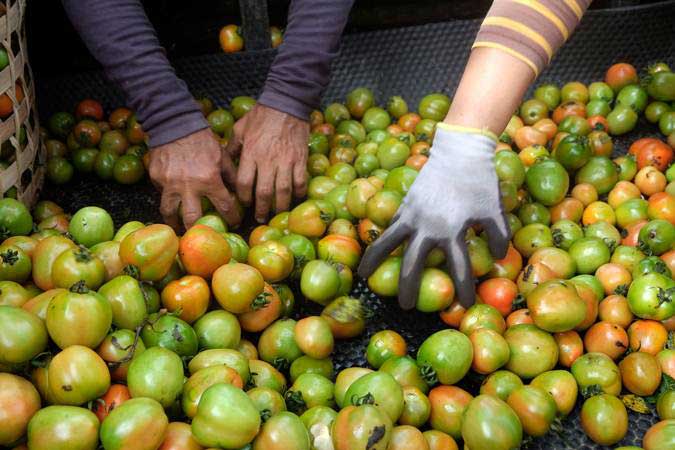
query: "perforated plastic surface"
410, 62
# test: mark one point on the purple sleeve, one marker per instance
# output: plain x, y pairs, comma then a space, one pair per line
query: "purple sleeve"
120, 36
301, 69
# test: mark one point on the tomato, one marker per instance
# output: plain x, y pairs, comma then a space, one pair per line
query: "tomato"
508, 268
13, 294
649, 297
307, 364
629, 257
87, 133
283, 430
620, 75
500, 384
647, 336
604, 419
632, 96
128, 169
437, 440
654, 153
531, 237
549, 94
499, 293
63, 428
640, 373
202, 250
75, 266
114, 396
118, 349
596, 370
19, 401
662, 206
313, 336
151, 249
360, 427
171, 333
434, 107
61, 123
118, 118
660, 435
490, 423
108, 253
665, 405
381, 207
203, 379
78, 317
127, 300
667, 124
138, 423
615, 309
481, 316
533, 110
547, 181
607, 338
533, 351
277, 344
560, 384
15, 219
535, 408
179, 437
309, 390
77, 375
310, 218
230, 39
345, 379
156, 373
236, 286
392, 153
490, 350
345, 316
189, 295
656, 237
319, 281
38, 304
406, 372
589, 253
384, 345
445, 357
382, 388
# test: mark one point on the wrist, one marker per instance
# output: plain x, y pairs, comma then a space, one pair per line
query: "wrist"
460, 128
298, 108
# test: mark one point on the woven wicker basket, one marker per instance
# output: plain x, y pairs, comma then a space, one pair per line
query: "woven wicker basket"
22, 153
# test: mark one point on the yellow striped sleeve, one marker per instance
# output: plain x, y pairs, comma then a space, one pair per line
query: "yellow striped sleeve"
544, 11
522, 29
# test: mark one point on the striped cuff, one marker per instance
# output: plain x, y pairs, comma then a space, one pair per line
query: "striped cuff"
530, 30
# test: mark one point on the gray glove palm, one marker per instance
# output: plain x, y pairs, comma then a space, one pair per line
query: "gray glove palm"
457, 188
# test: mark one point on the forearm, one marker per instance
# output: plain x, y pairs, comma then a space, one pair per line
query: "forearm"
301, 69
120, 36
515, 42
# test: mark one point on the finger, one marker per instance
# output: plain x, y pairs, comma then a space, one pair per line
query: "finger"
245, 179
191, 207
300, 179
499, 233
168, 208
381, 248
264, 192
235, 143
228, 169
459, 266
283, 189
411, 270
225, 204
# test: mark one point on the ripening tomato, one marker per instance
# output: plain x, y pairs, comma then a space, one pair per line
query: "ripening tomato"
339, 249
266, 308
114, 396
77, 375
620, 75
152, 250
509, 267
202, 250
19, 401
570, 347
499, 293
188, 295
640, 373
453, 314
230, 39
647, 336
608, 338
236, 286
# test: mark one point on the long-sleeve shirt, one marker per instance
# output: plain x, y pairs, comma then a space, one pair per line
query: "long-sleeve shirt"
120, 36
530, 30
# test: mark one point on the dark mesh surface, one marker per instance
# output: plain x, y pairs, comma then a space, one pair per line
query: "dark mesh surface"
410, 62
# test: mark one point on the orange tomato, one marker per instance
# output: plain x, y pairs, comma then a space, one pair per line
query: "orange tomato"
447, 406
620, 75
6, 104
89, 109
546, 126
409, 121
420, 148
265, 310
230, 39
598, 123
179, 437
453, 314
585, 193
598, 211
190, 294
570, 347
570, 108
526, 136
622, 191
601, 143
369, 231
632, 232
519, 316
607, 338
587, 294
499, 293
655, 153
615, 309
416, 162
395, 129
669, 258
570, 208
114, 397
647, 336
662, 206
613, 277
650, 180
202, 250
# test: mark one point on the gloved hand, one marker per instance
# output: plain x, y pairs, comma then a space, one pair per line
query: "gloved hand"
457, 188
272, 150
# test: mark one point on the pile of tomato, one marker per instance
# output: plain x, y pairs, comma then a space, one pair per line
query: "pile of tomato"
138, 338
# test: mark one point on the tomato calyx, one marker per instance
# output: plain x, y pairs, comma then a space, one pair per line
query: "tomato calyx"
80, 287
429, 374
590, 391
295, 402
9, 257
281, 364
621, 289
132, 271
664, 295
83, 255
519, 302
41, 360
367, 399
260, 301
4, 233
265, 414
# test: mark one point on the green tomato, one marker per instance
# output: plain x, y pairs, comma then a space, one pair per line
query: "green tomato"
655, 110
15, 219
91, 225
489, 422
392, 153
63, 428
375, 118
434, 107
601, 172
171, 333
383, 389
547, 181
650, 296
549, 94
218, 329
621, 119
157, 373
633, 96
598, 108
445, 357
600, 90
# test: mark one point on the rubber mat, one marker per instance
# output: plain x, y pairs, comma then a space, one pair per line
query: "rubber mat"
410, 62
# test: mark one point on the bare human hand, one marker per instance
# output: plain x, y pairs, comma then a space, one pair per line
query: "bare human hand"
272, 149
190, 168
